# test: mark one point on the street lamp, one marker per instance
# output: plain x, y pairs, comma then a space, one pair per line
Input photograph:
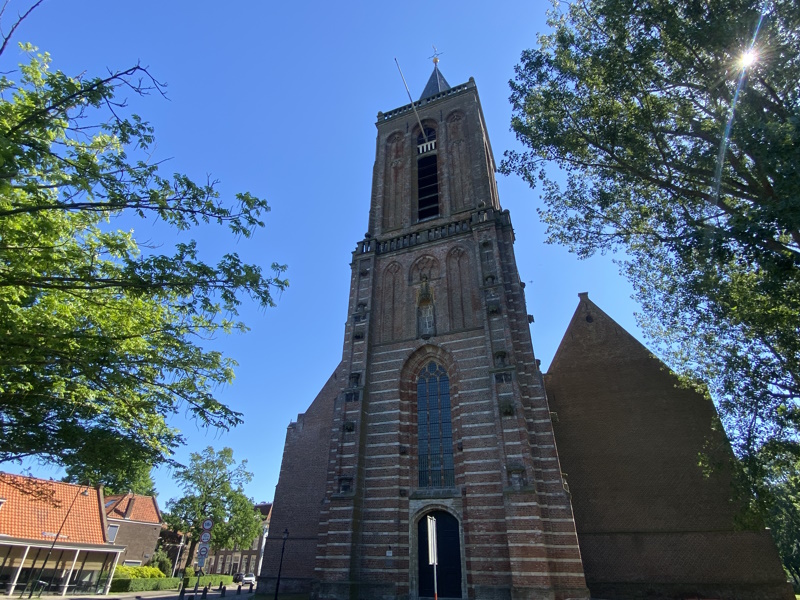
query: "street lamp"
280, 565
58, 535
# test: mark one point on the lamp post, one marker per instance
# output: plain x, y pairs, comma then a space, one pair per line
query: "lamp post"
280, 565
58, 535
178, 558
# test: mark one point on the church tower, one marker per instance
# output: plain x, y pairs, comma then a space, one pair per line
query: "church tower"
437, 408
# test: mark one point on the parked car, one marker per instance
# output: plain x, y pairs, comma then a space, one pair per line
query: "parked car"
237, 578
249, 578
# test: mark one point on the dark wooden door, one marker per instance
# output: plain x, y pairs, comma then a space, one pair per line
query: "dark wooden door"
449, 551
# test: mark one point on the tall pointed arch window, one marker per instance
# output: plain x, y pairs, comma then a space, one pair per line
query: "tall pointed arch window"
434, 428
427, 176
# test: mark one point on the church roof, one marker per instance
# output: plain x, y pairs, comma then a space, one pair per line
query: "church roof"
436, 84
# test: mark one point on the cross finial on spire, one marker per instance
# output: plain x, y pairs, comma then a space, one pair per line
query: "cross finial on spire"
436, 55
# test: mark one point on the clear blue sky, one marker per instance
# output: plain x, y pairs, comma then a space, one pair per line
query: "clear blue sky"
280, 99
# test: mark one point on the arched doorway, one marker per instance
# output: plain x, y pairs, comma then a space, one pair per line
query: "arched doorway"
449, 551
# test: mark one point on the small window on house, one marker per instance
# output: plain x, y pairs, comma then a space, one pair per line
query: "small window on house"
112, 533
109, 503
132, 563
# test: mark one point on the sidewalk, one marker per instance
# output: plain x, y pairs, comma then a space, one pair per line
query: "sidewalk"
165, 595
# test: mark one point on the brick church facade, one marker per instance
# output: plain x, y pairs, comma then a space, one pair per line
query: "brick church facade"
438, 408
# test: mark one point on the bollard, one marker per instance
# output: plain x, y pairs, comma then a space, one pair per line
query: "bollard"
223, 591
183, 593
205, 593
220, 586
251, 589
239, 590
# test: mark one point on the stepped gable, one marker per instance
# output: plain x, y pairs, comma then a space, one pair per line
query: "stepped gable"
630, 439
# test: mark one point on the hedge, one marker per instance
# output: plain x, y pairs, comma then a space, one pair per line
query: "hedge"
125, 572
144, 584
212, 580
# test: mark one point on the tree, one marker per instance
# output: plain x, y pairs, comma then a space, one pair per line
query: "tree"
101, 335
783, 514
212, 486
677, 125
134, 477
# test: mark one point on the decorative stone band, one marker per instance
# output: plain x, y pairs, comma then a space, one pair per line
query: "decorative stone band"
385, 116
418, 238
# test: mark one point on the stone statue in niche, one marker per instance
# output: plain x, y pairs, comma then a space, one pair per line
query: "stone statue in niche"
458, 150
394, 182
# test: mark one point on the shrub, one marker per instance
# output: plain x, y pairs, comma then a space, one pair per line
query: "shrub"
188, 571
123, 572
144, 584
161, 561
212, 580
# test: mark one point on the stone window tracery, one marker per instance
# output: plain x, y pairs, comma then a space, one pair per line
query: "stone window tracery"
434, 428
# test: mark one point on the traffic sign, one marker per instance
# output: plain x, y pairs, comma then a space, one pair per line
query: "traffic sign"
201, 561
202, 550
205, 537
208, 524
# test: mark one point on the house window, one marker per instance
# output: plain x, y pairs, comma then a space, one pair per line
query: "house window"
112, 532
434, 428
427, 176
132, 563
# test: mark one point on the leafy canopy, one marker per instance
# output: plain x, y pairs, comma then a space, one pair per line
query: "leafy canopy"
133, 477
102, 338
213, 488
677, 154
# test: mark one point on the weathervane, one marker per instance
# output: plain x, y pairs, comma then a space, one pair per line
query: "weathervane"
436, 55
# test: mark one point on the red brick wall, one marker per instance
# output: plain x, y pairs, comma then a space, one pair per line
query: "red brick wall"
300, 491
630, 439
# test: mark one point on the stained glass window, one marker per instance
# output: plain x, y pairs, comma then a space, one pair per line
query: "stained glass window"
434, 428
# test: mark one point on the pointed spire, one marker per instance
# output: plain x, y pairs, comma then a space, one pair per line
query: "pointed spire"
436, 84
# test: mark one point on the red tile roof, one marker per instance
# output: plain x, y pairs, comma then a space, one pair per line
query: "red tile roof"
134, 507
36, 508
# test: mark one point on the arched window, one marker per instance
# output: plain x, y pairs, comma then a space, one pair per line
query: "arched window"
434, 428
427, 176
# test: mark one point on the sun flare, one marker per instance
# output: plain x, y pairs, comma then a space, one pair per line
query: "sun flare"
748, 58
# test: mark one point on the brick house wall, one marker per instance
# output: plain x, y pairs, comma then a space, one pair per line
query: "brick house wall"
138, 522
